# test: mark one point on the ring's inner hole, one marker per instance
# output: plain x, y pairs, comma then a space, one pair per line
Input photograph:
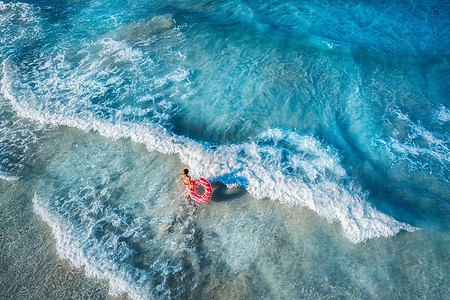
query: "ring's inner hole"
200, 190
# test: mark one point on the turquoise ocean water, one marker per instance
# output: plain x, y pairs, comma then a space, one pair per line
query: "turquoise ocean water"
323, 127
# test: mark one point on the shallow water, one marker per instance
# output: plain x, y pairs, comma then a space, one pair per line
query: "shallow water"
323, 128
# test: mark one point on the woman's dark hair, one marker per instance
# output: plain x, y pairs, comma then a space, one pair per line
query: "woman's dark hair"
186, 171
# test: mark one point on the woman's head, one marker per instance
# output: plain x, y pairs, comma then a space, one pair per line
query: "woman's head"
186, 171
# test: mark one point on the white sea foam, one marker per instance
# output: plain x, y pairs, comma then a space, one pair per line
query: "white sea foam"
120, 51
98, 75
419, 147
7, 177
18, 23
281, 165
442, 115
17, 12
101, 257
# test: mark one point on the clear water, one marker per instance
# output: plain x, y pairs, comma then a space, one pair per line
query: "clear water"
322, 125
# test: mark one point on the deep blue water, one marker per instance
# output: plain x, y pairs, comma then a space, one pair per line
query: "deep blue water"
338, 107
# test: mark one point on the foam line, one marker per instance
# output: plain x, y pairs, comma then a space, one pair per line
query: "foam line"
8, 177
281, 165
71, 244
419, 147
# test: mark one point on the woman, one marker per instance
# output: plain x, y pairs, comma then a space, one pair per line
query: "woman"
186, 181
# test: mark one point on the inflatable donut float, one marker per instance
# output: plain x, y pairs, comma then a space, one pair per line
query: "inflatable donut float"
205, 196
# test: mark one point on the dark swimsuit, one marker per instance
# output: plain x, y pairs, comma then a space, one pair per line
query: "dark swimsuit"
186, 184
